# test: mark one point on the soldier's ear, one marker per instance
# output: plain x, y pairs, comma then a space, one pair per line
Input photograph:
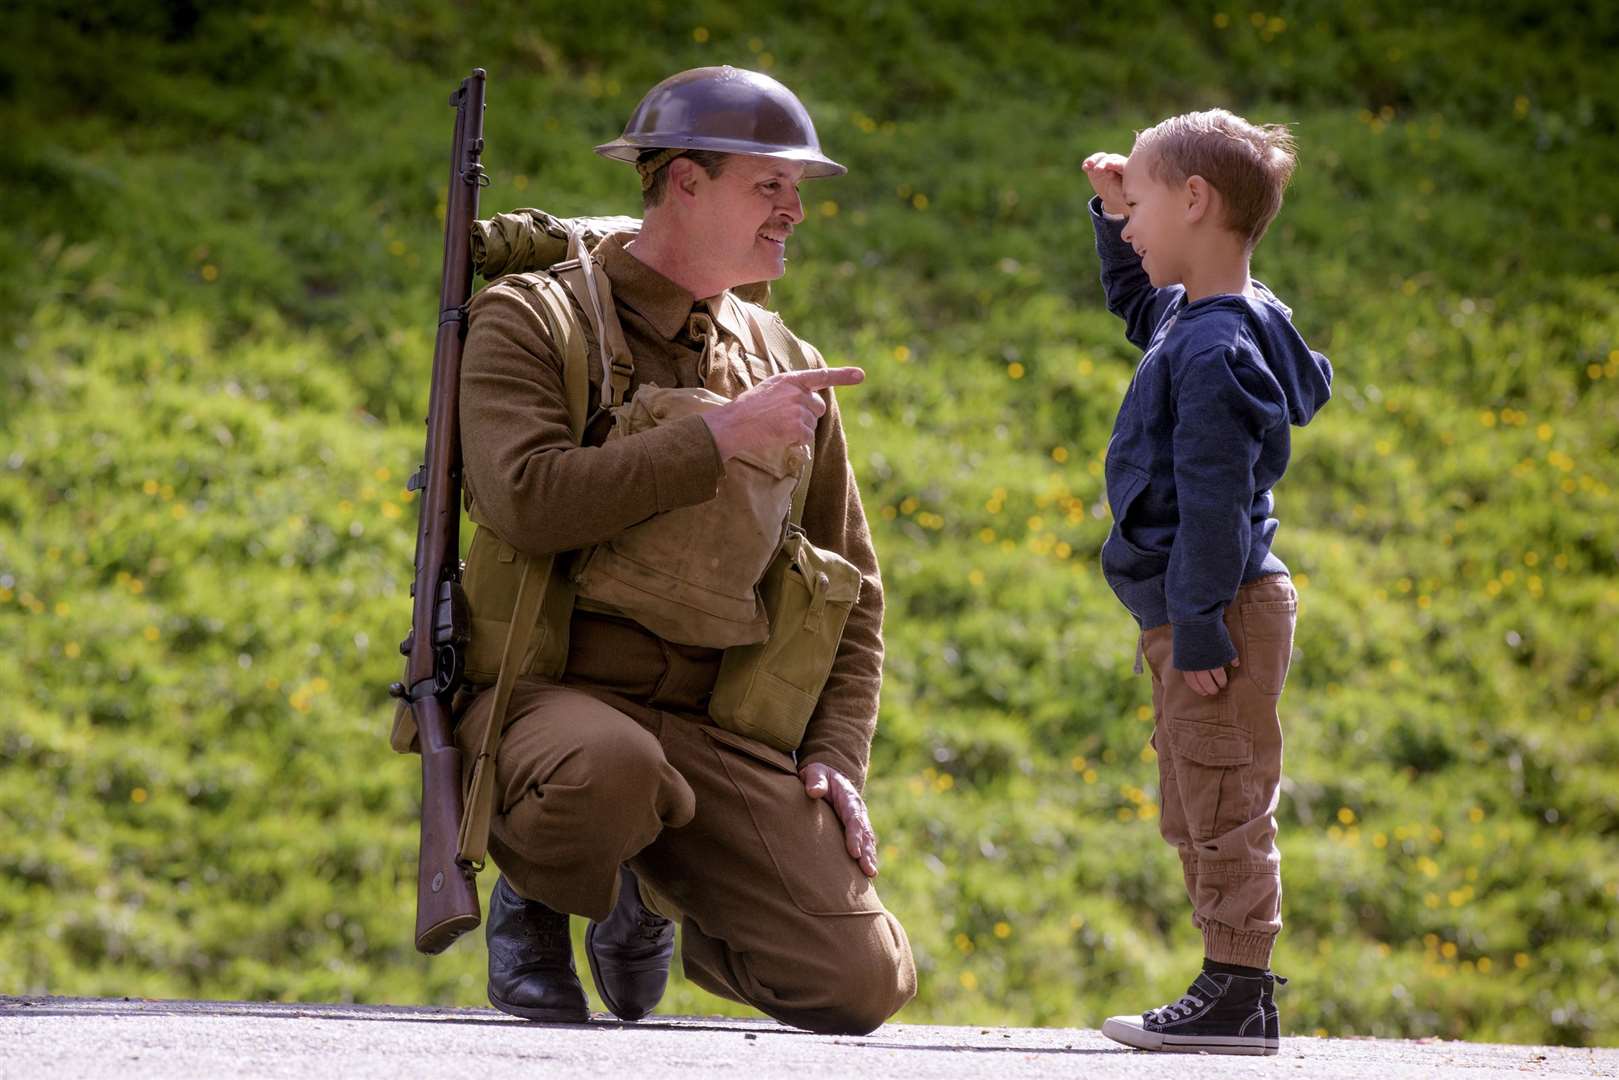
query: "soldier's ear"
683, 177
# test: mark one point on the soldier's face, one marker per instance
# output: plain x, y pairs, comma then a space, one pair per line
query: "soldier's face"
749, 210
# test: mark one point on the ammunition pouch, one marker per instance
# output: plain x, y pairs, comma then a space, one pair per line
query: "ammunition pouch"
493, 571
768, 691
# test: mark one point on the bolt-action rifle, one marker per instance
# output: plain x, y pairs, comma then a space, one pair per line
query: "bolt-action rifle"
446, 885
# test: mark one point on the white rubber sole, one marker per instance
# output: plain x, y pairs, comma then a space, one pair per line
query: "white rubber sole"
1129, 1031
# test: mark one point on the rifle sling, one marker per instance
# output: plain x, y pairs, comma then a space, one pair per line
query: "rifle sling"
536, 575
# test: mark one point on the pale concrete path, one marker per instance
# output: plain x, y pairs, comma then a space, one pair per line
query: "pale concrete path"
115, 1038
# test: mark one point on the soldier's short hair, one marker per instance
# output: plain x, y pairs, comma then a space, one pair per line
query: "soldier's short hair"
655, 173
1248, 164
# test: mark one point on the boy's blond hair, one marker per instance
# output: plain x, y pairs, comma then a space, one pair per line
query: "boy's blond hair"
1248, 164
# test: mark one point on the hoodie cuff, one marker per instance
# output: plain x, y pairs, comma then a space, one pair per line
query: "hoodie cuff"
1102, 215
1202, 646
1109, 233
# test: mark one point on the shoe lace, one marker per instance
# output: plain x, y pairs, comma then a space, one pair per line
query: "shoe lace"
1177, 1010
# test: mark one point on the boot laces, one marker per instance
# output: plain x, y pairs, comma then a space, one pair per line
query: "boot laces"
650, 925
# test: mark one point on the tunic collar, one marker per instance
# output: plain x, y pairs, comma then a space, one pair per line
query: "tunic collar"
665, 305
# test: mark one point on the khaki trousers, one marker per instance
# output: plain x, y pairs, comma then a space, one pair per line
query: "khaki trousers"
617, 764
1220, 773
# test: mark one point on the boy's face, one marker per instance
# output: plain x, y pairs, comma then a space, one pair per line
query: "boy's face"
1157, 228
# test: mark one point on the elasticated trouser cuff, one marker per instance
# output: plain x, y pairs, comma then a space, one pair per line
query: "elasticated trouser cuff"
1230, 946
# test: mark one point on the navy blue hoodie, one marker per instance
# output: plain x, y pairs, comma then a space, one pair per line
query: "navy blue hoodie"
1200, 440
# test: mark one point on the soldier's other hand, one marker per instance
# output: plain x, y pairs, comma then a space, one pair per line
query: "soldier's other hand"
825, 782
779, 412
1210, 682
1105, 171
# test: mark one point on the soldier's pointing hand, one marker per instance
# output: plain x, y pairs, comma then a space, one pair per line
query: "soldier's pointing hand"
779, 412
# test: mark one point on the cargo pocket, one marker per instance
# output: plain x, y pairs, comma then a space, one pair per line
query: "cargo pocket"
1211, 770
803, 836
1267, 633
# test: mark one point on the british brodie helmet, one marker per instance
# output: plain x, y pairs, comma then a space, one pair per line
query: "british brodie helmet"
724, 109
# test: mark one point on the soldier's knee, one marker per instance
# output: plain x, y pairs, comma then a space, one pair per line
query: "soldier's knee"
873, 984
614, 760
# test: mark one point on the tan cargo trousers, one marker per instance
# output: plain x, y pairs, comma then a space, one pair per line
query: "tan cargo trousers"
1220, 774
618, 765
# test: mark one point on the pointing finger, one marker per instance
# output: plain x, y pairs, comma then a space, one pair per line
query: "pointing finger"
821, 378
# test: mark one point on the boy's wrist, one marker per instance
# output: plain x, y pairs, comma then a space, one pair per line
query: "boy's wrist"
1100, 206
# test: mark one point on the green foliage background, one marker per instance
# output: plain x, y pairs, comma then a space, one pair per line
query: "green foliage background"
217, 290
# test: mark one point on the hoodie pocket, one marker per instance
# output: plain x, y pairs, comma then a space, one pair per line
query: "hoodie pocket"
1124, 483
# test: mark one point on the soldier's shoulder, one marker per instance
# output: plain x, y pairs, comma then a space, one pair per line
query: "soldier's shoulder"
778, 335
516, 296
509, 286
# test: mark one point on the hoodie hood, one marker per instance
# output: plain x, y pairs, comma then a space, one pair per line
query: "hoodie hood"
1304, 375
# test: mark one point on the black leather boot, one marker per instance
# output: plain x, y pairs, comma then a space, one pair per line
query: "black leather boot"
630, 952
531, 972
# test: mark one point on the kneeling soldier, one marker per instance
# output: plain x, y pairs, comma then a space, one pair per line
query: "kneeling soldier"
618, 795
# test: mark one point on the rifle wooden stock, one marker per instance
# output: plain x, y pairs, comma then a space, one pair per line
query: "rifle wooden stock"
446, 888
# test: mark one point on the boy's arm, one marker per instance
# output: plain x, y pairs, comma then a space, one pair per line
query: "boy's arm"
1222, 411
1130, 295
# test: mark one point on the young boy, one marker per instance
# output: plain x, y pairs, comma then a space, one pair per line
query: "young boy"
1200, 440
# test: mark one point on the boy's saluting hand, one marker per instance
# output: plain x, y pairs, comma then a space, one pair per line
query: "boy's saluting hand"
1105, 171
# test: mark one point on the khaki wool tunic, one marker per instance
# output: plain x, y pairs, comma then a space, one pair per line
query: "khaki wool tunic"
542, 494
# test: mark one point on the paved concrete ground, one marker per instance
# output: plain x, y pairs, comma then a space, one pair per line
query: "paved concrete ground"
76, 1037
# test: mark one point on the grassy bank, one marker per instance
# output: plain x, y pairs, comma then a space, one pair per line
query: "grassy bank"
217, 309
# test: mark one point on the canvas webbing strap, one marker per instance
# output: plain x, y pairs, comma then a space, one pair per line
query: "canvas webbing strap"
595, 295
569, 339
781, 348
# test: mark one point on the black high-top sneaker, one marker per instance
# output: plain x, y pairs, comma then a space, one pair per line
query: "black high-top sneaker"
1220, 1013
